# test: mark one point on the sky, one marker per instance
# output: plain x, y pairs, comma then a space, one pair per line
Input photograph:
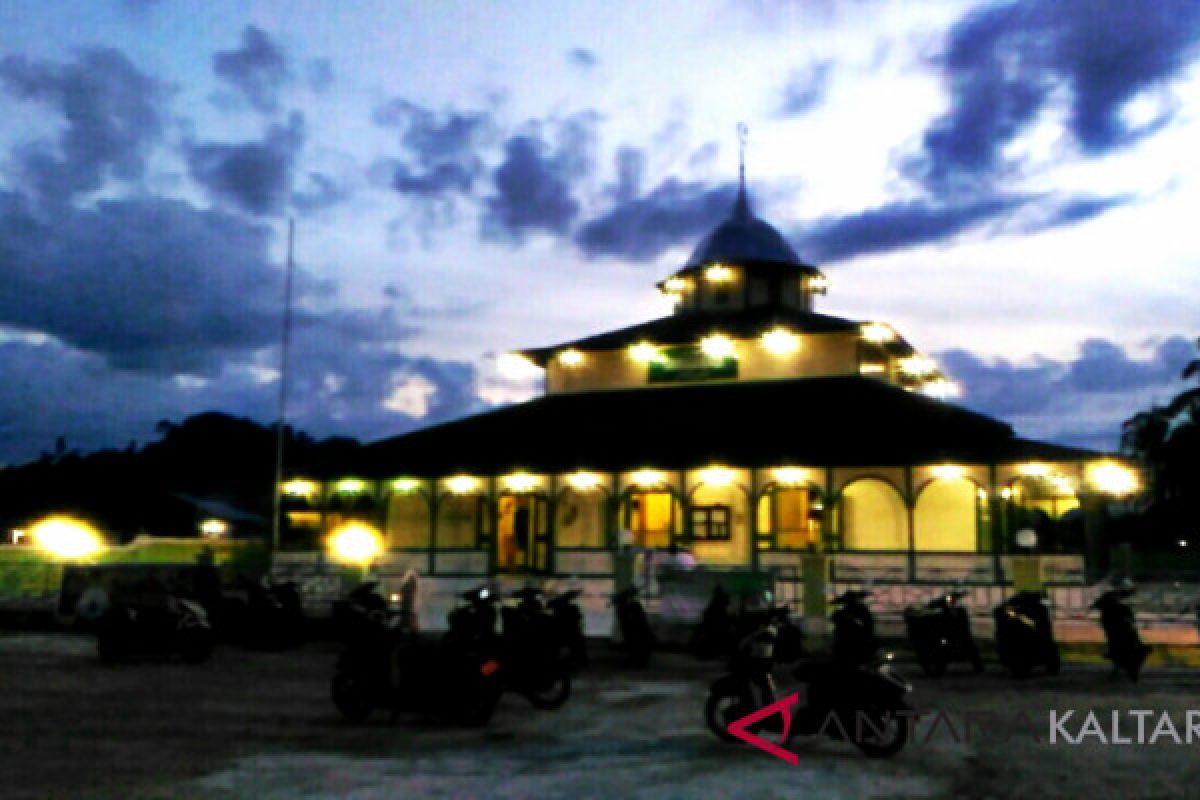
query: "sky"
1011, 185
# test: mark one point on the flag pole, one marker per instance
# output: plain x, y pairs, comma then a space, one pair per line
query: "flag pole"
277, 487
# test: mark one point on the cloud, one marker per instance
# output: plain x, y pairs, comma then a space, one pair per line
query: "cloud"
534, 184
582, 57
442, 150
642, 228
806, 89
896, 226
1004, 63
1080, 401
257, 69
319, 74
114, 116
253, 176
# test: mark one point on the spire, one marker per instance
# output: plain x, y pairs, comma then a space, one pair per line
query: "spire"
741, 206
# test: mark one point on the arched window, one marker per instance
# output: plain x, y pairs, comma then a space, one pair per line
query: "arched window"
792, 515
946, 516
461, 520
874, 516
652, 517
580, 519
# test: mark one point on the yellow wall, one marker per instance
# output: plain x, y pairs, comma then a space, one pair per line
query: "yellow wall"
579, 519
456, 520
818, 355
873, 517
737, 549
944, 517
407, 521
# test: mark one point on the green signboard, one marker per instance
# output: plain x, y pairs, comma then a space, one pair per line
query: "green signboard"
690, 363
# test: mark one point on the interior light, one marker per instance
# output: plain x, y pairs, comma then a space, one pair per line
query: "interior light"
462, 484
520, 482
351, 486
583, 481
790, 476
948, 472
648, 477
877, 333
214, 527
717, 346
355, 543
1112, 478
644, 353
406, 485
718, 273
570, 357
299, 488
780, 341
66, 537
717, 476
918, 366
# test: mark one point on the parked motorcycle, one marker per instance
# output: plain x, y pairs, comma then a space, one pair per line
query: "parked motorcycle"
151, 621
1025, 636
528, 650
864, 703
569, 622
637, 638
262, 613
384, 665
940, 633
854, 641
719, 632
1126, 649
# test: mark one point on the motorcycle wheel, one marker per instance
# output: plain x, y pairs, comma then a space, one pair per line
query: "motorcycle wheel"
195, 644
350, 697
553, 691
476, 709
893, 730
722, 709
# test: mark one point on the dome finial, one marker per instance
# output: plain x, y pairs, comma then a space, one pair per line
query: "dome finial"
741, 207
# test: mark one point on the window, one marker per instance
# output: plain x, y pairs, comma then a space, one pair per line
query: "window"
711, 523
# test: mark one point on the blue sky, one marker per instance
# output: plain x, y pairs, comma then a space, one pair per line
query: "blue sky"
1012, 185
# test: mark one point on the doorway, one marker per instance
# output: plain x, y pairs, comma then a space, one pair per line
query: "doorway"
523, 533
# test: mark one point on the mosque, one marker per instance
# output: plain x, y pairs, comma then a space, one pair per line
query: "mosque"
745, 426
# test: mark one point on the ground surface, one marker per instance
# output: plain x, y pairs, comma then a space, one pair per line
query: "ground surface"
260, 725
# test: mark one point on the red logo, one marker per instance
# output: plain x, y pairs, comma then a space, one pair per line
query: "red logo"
738, 728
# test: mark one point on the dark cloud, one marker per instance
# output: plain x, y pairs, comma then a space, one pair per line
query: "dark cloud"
896, 226
1072, 210
806, 89
642, 228
257, 69
319, 74
533, 186
320, 191
1002, 388
442, 150
1003, 63
631, 168
114, 116
582, 57
252, 176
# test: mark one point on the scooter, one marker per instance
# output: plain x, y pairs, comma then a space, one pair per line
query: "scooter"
1126, 649
940, 632
262, 614
718, 633
865, 704
854, 640
158, 625
569, 622
386, 666
1025, 636
530, 660
637, 638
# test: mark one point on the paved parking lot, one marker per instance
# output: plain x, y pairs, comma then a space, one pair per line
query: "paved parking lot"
260, 725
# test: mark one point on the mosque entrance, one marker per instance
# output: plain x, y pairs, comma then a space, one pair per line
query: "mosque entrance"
523, 533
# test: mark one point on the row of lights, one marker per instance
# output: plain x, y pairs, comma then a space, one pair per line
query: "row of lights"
719, 273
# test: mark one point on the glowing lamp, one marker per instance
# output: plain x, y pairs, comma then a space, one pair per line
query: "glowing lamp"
790, 476
299, 488
647, 478
351, 486
780, 341
462, 484
1006, 493
718, 273
871, 368
1112, 478
1034, 470
644, 353
570, 357
406, 485
941, 389
66, 537
520, 482
214, 527
583, 481
676, 285
717, 346
717, 476
948, 472
355, 543
817, 284
516, 366
877, 333
917, 366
